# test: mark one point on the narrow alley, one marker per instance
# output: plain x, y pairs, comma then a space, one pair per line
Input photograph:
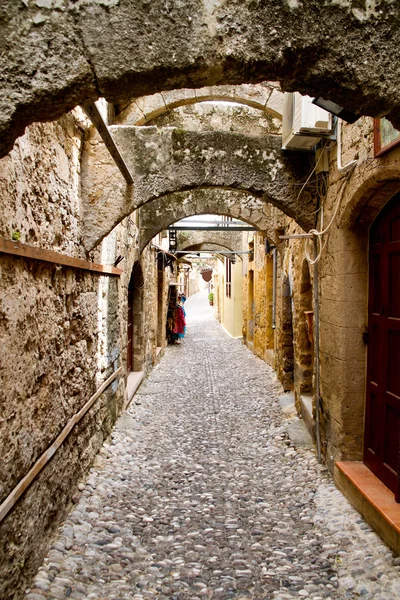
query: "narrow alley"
200, 493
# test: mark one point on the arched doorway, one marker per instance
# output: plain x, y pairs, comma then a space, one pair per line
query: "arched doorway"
382, 415
135, 345
161, 313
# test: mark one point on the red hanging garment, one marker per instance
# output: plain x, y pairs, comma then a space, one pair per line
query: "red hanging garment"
180, 322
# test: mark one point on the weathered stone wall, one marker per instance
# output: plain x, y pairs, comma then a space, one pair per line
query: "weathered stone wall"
261, 338
263, 332
54, 355
63, 336
149, 317
343, 290
39, 187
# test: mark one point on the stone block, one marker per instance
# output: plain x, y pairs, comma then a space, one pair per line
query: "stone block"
174, 98
151, 106
216, 92
131, 115
274, 103
252, 95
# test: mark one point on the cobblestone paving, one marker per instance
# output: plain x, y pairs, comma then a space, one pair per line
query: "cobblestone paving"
201, 494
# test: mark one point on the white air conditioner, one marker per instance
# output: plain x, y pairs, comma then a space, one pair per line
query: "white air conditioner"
303, 123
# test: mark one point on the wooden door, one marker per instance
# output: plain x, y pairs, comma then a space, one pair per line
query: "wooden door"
382, 418
129, 362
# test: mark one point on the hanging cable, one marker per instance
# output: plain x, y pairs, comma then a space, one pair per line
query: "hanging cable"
318, 235
312, 172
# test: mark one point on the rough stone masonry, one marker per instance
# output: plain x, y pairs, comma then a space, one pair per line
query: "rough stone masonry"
55, 54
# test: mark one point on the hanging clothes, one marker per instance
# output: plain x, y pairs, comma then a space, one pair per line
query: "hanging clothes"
180, 322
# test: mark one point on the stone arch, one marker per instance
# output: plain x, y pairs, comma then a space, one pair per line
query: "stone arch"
200, 43
376, 189
220, 248
266, 97
165, 161
163, 212
230, 240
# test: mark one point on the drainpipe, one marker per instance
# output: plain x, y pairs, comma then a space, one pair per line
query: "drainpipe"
317, 366
274, 269
349, 165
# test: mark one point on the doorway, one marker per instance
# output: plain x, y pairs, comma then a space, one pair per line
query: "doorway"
135, 351
250, 304
382, 415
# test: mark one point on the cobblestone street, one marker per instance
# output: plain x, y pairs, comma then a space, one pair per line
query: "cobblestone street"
200, 493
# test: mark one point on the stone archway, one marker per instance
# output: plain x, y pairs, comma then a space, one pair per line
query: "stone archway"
230, 240
379, 183
166, 161
163, 212
221, 250
266, 97
56, 59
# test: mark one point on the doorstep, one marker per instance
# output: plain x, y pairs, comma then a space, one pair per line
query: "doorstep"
372, 499
306, 408
133, 381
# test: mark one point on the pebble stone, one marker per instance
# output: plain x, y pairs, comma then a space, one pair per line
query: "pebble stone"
200, 493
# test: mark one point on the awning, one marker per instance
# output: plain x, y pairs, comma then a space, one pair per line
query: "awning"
165, 256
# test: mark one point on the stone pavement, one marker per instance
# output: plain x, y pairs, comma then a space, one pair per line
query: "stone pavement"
201, 494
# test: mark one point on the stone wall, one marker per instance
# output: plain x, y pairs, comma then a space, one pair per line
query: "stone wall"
53, 354
257, 321
63, 333
39, 186
343, 292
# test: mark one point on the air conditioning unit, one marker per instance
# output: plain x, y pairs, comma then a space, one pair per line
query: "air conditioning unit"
303, 123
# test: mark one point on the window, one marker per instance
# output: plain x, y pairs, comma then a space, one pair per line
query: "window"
228, 277
386, 136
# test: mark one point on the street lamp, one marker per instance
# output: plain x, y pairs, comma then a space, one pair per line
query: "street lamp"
336, 109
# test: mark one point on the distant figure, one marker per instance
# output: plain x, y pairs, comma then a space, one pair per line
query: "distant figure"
180, 320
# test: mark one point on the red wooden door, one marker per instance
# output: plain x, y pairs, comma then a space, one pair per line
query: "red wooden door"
382, 418
129, 362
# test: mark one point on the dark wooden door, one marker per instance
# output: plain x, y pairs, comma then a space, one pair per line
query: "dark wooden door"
382, 418
129, 362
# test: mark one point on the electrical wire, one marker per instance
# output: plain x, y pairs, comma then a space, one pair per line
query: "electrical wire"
318, 235
312, 172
